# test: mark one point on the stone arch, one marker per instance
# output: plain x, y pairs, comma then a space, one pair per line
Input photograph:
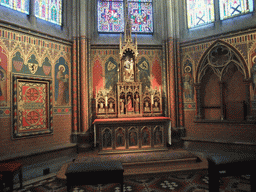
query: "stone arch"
234, 57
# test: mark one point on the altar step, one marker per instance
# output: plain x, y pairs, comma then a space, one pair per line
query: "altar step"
164, 166
147, 163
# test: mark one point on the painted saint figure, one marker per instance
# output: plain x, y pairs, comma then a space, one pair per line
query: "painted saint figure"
137, 104
3, 87
129, 105
133, 138
122, 106
146, 108
63, 85
156, 107
188, 84
111, 109
101, 109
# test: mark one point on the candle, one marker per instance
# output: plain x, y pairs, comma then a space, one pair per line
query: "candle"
106, 101
152, 100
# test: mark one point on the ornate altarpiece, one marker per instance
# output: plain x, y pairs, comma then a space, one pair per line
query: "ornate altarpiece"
128, 101
128, 118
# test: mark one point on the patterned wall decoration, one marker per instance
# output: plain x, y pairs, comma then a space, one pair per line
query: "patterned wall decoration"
32, 106
31, 55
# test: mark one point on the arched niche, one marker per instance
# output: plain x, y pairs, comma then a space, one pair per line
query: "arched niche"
222, 85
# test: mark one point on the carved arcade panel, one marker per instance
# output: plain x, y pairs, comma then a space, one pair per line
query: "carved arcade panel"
121, 137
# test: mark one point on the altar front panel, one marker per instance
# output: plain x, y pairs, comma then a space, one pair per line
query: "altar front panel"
124, 135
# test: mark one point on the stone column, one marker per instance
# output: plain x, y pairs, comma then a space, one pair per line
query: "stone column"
74, 92
32, 13
84, 86
172, 88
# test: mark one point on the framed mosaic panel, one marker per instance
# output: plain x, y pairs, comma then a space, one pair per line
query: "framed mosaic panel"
32, 106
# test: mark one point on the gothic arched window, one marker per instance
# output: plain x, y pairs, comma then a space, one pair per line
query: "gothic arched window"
111, 15
141, 13
49, 10
199, 12
18, 5
231, 8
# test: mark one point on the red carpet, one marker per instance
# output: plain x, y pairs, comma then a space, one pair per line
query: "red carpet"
190, 181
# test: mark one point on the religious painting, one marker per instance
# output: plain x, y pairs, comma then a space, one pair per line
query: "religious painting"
106, 138
188, 89
158, 136
145, 136
120, 137
3, 78
144, 73
61, 83
32, 109
111, 74
253, 71
133, 137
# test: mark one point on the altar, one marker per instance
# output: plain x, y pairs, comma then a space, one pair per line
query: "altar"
124, 135
129, 114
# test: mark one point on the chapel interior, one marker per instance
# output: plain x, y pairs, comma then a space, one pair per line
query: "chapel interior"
78, 87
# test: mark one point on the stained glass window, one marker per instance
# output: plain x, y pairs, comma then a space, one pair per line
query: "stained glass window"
110, 16
18, 5
230, 8
49, 10
199, 12
141, 12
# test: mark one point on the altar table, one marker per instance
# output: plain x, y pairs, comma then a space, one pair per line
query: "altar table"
120, 135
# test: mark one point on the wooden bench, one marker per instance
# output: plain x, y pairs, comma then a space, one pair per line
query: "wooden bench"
92, 173
231, 164
7, 173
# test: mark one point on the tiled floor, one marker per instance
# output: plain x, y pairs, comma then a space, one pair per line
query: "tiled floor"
190, 181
